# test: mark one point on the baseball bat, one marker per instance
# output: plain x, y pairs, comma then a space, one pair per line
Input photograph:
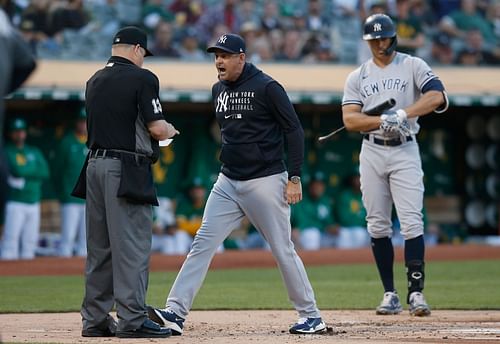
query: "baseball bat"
376, 110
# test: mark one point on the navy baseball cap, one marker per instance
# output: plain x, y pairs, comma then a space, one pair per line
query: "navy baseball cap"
132, 35
229, 42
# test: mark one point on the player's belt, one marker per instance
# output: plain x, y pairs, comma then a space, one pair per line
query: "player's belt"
387, 142
114, 154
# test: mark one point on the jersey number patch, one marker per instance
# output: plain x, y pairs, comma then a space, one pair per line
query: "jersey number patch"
156, 105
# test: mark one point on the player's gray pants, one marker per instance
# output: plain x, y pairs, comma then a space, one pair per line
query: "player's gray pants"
262, 200
119, 245
392, 174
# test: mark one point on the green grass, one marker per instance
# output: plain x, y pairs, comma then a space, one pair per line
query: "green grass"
449, 285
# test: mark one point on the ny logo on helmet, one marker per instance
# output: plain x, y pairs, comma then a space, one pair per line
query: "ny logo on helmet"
377, 27
222, 39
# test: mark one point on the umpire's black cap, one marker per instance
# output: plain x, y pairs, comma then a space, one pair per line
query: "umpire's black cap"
229, 42
132, 35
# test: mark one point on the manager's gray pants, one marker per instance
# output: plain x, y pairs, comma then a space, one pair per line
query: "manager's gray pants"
118, 245
262, 200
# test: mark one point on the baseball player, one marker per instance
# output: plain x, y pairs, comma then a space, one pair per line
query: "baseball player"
255, 115
390, 165
71, 155
28, 169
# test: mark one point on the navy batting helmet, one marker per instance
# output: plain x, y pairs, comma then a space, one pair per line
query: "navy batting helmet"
380, 26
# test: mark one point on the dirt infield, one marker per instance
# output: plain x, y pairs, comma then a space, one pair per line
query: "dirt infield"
249, 327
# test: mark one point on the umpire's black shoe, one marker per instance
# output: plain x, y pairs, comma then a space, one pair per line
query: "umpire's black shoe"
148, 329
106, 329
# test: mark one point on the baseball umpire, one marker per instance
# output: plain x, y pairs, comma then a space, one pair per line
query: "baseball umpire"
125, 122
255, 115
390, 165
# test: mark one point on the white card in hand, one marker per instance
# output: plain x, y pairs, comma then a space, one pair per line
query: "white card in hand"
165, 142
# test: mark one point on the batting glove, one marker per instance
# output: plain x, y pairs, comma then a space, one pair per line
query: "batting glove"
395, 121
390, 122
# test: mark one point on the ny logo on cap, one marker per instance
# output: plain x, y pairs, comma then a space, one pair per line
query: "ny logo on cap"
222, 39
377, 27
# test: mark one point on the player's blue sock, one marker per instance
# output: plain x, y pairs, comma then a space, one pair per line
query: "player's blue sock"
414, 249
383, 252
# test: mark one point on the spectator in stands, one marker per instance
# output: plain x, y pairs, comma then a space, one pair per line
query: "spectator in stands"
312, 219
345, 30
69, 15
189, 49
292, 46
351, 215
186, 12
474, 52
317, 49
441, 50
28, 169
276, 38
129, 12
224, 12
247, 12
257, 45
422, 12
298, 21
317, 19
443, 8
71, 156
35, 25
493, 16
153, 12
86, 43
408, 28
163, 44
262, 50
270, 19
467, 18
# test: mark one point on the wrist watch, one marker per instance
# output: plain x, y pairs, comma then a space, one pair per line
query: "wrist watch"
295, 179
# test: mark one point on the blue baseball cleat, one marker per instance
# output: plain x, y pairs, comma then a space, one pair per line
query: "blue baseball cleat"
308, 326
167, 318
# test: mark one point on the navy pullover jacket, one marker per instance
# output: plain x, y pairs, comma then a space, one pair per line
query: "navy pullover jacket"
255, 116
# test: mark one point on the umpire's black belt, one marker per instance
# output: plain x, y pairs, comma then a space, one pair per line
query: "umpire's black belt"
116, 154
387, 142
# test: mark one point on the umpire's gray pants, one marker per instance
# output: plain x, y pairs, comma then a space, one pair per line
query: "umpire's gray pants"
118, 245
262, 200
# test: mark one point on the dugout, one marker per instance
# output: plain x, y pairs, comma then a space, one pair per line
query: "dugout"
460, 149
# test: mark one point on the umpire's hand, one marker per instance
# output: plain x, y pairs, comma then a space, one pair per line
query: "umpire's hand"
293, 192
162, 130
